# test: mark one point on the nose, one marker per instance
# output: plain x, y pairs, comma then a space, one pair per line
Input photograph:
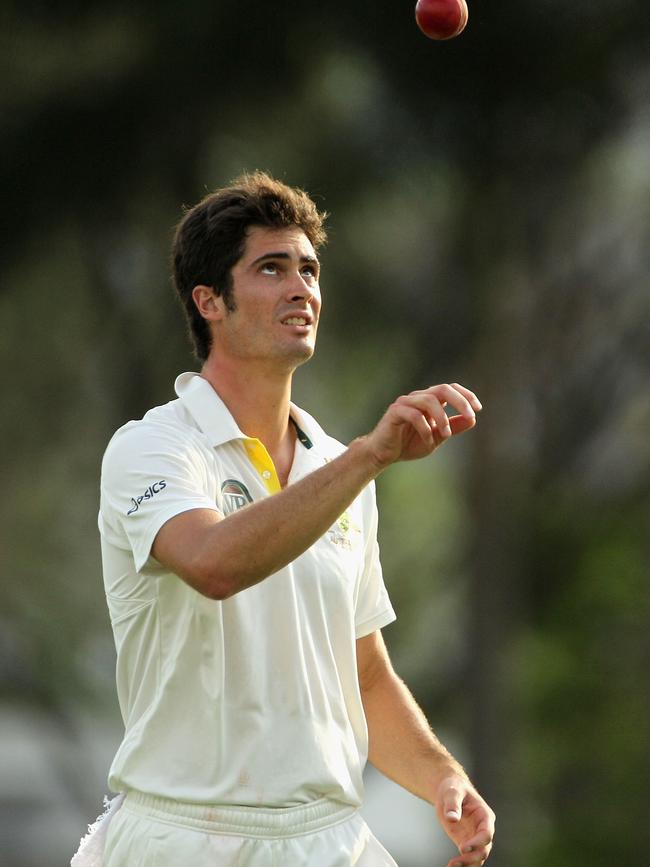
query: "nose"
304, 294
300, 290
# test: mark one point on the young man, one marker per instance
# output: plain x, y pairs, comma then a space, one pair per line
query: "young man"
243, 580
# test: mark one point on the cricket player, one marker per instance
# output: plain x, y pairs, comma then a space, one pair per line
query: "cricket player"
243, 579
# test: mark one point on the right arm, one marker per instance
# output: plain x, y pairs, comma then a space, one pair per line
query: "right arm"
221, 556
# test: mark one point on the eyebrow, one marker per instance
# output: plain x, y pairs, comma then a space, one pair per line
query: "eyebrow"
283, 255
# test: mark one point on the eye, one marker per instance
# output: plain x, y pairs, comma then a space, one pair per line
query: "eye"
269, 268
311, 271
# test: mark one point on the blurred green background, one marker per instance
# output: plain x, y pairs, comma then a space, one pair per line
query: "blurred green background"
490, 223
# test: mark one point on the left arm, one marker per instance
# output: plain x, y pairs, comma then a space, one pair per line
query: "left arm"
403, 747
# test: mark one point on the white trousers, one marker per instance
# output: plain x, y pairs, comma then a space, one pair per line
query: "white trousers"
155, 832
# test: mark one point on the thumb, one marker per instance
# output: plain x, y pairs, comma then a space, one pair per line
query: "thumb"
452, 804
460, 423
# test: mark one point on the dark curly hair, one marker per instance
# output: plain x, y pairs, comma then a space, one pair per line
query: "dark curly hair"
211, 237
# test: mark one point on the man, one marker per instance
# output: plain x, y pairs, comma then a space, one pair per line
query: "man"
243, 581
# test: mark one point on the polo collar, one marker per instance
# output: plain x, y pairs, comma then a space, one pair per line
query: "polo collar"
207, 409
215, 419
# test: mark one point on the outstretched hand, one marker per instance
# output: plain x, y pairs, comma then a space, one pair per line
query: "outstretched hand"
416, 424
466, 819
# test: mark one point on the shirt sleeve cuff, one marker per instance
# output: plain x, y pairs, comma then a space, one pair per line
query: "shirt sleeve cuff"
377, 622
143, 544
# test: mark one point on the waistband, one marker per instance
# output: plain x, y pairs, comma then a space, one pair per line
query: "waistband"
258, 822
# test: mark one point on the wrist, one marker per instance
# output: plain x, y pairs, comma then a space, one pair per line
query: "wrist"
375, 463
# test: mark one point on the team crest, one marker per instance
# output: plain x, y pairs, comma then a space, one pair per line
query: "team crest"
339, 533
235, 496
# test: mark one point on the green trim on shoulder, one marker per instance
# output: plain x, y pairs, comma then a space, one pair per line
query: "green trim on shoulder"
302, 436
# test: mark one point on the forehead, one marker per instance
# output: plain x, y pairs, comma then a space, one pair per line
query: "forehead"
261, 240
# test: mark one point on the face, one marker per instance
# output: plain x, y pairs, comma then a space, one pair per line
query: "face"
276, 300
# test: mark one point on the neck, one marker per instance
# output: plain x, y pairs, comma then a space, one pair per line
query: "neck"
257, 397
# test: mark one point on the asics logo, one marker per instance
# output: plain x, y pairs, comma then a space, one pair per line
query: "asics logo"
149, 494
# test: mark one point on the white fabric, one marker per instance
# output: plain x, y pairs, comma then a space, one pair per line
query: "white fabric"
149, 833
253, 700
91, 849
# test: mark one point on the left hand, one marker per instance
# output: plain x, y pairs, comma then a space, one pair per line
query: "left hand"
466, 819
415, 424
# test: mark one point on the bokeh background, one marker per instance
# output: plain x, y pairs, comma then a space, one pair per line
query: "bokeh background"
490, 223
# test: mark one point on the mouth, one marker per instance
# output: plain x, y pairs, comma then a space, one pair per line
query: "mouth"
298, 321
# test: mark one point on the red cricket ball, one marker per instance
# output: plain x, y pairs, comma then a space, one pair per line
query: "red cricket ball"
441, 19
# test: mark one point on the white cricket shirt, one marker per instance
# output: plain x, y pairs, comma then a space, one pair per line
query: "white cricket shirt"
253, 700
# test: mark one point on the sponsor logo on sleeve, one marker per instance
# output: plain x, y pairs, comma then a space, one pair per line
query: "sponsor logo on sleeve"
149, 494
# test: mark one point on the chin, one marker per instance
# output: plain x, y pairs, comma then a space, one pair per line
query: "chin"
299, 355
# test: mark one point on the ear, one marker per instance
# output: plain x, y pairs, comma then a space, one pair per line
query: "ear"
209, 305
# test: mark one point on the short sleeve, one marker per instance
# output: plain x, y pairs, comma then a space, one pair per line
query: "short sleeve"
373, 608
151, 473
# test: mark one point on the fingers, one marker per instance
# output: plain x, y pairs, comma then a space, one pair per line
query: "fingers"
417, 423
430, 407
456, 395
475, 853
473, 860
432, 402
476, 848
403, 412
467, 819
471, 397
